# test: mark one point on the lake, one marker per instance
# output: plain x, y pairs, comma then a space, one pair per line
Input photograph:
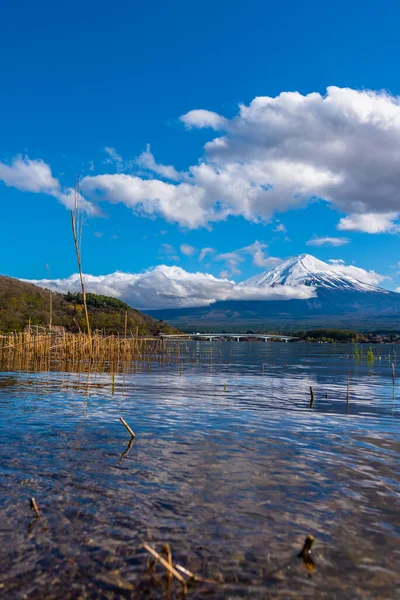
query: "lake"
232, 465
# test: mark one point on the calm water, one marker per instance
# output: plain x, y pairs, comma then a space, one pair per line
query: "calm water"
233, 479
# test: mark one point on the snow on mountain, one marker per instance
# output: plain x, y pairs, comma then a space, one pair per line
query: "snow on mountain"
308, 270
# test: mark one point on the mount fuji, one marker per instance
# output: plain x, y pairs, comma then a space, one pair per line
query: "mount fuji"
340, 300
308, 270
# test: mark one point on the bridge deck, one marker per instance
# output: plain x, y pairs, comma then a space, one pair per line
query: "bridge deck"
235, 336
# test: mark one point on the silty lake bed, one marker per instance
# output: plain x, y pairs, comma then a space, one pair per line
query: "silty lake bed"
230, 466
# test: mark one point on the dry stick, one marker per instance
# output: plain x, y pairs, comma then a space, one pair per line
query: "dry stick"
125, 424
166, 564
34, 507
194, 577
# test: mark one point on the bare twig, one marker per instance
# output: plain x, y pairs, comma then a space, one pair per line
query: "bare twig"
34, 507
167, 566
125, 424
194, 577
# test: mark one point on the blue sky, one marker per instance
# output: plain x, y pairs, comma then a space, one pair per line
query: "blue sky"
81, 78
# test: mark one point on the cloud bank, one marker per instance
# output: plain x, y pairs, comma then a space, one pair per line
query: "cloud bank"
35, 176
171, 287
327, 241
275, 154
371, 277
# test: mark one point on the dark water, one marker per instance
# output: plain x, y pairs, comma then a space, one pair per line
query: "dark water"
234, 480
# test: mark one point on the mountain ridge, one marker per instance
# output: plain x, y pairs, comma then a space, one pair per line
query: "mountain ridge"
340, 300
305, 269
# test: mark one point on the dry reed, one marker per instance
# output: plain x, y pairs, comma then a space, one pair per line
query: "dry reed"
34, 507
125, 424
33, 351
167, 564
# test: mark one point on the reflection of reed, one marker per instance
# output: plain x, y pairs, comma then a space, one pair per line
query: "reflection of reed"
127, 450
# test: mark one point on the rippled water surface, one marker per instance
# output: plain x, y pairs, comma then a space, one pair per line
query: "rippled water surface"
230, 466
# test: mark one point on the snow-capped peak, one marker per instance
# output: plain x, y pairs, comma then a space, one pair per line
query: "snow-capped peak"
308, 270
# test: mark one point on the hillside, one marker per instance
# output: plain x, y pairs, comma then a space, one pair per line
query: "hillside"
20, 301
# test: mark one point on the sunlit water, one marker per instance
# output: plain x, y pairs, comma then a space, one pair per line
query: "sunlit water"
230, 465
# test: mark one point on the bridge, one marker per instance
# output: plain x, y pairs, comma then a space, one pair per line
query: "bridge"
212, 337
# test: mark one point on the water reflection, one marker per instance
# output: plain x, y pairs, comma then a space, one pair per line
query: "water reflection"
230, 467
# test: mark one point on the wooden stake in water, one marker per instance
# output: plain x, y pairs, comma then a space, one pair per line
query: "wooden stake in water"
305, 554
393, 372
311, 396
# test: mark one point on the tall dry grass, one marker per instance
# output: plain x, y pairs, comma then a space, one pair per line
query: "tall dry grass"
76, 351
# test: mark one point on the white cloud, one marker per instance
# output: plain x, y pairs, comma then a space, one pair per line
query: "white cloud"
172, 287
231, 260
203, 119
358, 273
29, 176
280, 228
35, 176
182, 203
327, 241
276, 154
254, 250
147, 161
205, 251
187, 250
168, 251
370, 223
114, 158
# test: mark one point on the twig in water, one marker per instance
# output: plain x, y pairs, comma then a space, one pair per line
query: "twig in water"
194, 577
34, 507
125, 424
348, 391
393, 372
167, 566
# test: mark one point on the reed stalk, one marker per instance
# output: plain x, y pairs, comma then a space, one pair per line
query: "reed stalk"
125, 424
34, 507
167, 566
76, 224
